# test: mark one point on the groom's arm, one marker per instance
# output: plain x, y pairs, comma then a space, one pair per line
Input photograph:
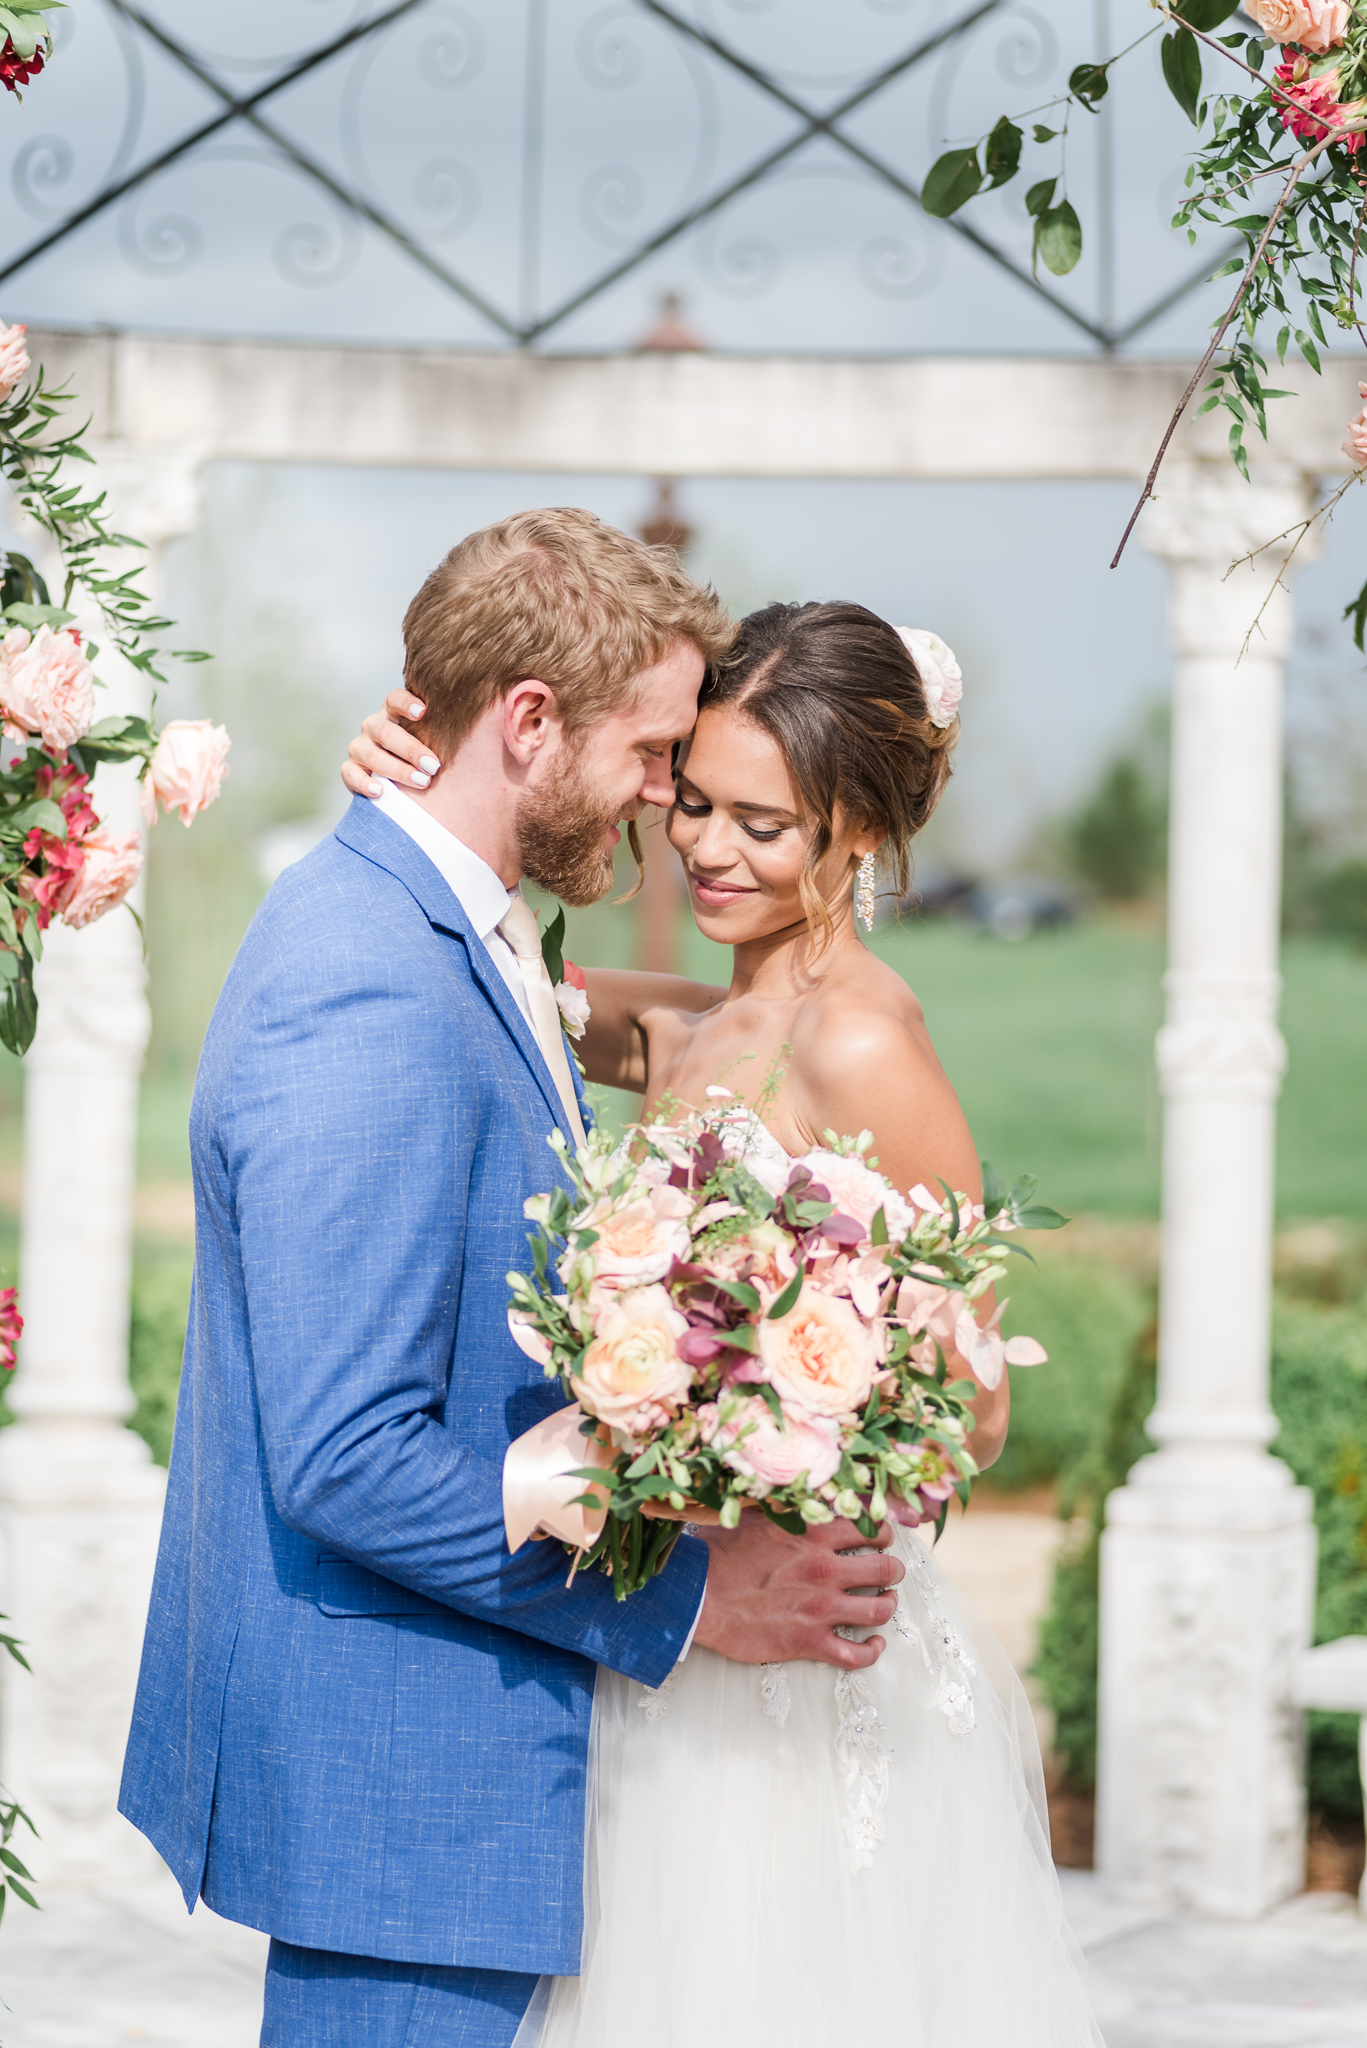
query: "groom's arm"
349, 1187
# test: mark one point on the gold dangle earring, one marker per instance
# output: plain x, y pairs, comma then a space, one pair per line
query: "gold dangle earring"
863, 892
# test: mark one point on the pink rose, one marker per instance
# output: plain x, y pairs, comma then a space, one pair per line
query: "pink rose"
186, 770
820, 1357
859, 1192
46, 686
113, 862
11, 1325
631, 1376
759, 1447
639, 1242
1355, 446
1317, 25
14, 362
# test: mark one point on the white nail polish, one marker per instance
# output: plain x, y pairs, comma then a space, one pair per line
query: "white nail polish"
376, 786
429, 764
415, 711
420, 781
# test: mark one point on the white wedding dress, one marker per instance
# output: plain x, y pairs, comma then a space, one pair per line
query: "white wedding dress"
785, 1855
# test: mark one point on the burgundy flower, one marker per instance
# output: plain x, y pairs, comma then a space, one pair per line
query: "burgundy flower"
14, 72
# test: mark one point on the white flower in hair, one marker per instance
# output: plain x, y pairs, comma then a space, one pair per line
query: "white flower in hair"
941, 678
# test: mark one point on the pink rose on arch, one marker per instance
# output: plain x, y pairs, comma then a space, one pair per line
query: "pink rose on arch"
1355, 446
187, 768
46, 686
112, 863
14, 362
1316, 25
11, 1326
759, 1447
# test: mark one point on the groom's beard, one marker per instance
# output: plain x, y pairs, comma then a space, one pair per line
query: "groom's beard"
560, 828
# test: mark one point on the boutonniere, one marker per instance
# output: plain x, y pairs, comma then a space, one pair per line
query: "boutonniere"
571, 992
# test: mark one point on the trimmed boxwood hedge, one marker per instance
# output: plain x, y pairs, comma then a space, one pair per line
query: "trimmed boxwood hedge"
1319, 1393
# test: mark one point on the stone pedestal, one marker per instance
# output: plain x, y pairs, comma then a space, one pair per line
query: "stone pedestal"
1209, 1555
80, 1500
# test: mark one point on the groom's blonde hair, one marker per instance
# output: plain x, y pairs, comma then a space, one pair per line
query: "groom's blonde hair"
559, 596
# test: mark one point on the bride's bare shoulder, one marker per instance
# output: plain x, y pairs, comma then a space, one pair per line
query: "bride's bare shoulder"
863, 1059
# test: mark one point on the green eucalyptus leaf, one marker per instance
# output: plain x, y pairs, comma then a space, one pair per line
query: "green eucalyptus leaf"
1039, 196
553, 946
1002, 156
1058, 239
951, 181
1206, 14
1089, 83
1182, 69
32, 616
1043, 134
788, 1299
42, 812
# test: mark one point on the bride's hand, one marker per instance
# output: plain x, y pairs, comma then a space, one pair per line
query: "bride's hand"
382, 748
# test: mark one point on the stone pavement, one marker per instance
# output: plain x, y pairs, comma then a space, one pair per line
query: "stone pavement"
100, 1969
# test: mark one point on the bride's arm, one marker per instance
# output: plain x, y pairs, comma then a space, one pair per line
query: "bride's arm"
889, 1080
623, 1005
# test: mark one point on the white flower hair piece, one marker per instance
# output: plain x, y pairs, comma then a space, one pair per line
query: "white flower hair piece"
941, 677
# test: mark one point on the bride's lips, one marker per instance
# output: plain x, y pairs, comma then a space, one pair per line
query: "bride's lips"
717, 895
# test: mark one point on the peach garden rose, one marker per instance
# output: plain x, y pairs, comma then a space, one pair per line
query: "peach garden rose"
186, 770
112, 863
819, 1358
46, 686
632, 1372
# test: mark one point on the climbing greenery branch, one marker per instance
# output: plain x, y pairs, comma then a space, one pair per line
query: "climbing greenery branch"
56, 857
1300, 120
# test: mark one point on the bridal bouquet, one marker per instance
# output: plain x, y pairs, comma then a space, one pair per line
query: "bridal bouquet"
739, 1331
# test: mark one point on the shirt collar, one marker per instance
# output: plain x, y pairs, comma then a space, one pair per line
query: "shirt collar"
473, 883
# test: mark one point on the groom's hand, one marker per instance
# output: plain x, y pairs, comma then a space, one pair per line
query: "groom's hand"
776, 1599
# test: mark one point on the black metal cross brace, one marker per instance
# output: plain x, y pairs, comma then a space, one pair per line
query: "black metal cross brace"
811, 126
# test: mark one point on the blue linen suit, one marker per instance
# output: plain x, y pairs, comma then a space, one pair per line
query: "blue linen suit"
361, 1725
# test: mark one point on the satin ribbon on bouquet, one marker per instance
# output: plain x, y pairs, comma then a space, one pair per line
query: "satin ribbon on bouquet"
539, 1487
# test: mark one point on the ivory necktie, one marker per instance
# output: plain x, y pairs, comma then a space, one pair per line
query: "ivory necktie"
518, 926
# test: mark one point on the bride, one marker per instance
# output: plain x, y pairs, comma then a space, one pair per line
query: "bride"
780, 1853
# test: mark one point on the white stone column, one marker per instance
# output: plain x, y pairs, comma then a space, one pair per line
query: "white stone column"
1208, 1558
80, 1500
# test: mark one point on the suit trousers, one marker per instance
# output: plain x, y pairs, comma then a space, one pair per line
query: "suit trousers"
316, 1999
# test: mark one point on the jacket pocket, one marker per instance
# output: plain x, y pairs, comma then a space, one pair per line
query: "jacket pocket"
347, 1588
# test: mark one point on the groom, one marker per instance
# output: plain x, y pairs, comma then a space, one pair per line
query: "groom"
361, 1724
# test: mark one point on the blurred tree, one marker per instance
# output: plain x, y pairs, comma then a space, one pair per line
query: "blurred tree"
1117, 840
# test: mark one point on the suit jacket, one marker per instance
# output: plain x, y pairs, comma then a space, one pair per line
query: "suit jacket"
362, 1725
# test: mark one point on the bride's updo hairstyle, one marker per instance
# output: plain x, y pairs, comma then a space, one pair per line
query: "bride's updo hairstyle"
835, 686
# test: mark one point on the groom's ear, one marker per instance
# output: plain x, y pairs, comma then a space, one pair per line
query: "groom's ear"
530, 719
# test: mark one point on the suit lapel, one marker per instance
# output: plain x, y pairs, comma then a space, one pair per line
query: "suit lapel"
368, 832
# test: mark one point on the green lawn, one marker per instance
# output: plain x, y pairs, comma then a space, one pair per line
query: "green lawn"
1050, 1045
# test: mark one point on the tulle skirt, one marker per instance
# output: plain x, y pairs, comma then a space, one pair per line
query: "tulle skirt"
782, 1854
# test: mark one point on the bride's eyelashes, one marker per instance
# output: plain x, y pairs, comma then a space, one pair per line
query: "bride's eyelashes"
703, 810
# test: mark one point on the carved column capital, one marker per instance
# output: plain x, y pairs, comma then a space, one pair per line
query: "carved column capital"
1204, 521
1221, 1038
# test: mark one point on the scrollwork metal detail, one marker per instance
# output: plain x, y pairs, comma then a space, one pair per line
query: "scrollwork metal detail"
694, 106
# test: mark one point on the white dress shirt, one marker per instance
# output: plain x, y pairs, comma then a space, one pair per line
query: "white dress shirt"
485, 900
471, 880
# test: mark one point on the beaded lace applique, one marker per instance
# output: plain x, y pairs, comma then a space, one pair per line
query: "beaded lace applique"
953, 1692
866, 1763
773, 1691
654, 1700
